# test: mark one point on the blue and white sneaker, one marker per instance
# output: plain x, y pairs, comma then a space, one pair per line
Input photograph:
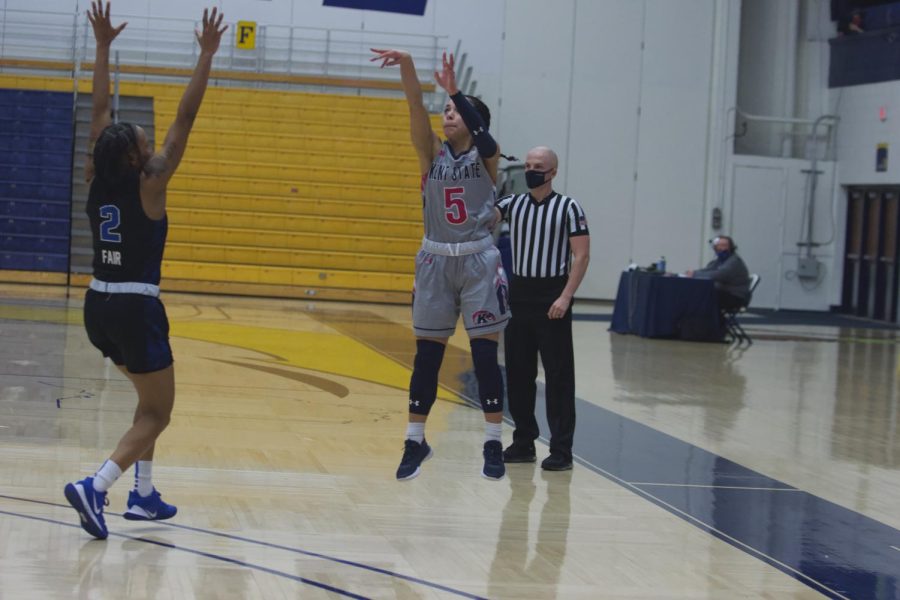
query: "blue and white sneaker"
414, 454
89, 504
150, 508
493, 460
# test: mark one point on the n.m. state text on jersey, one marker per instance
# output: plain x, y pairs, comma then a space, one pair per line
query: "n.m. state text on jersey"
457, 197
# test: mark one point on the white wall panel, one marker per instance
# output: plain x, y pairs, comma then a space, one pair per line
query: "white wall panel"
768, 218
603, 135
672, 139
537, 74
758, 205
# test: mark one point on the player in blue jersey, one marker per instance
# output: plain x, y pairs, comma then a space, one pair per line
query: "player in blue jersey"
458, 269
123, 315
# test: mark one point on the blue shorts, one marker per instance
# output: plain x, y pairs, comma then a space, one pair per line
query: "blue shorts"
129, 329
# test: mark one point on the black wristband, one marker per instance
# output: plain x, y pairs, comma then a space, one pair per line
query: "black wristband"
482, 138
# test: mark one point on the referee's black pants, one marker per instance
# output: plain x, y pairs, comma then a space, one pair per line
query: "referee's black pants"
531, 332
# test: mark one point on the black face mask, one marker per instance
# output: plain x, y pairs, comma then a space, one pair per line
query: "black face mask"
535, 179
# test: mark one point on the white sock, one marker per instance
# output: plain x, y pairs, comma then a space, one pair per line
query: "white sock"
106, 475
415, 432
492, 431
143, 477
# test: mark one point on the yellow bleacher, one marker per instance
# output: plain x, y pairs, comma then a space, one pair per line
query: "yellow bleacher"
289, 194
314, 191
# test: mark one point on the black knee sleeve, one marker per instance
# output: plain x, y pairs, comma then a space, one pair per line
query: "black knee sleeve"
490, 382
424, 382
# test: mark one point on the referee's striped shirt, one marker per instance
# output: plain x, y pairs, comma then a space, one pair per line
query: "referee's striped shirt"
539, 232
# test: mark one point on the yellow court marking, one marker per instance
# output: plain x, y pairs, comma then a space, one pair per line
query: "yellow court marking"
324, 352
331, 352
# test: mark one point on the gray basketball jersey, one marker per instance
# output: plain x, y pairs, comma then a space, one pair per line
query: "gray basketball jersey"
457, 197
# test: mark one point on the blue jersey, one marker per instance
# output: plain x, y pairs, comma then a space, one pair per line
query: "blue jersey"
128, 245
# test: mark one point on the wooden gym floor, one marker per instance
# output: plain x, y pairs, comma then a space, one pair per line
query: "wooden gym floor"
703, 470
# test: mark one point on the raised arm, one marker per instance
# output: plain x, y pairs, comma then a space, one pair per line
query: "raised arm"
104, 34
481, 137
424, 140
162, 165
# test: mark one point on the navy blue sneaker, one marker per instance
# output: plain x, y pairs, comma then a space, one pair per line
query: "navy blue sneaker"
414, 454
151, 508
89, 504
493, 460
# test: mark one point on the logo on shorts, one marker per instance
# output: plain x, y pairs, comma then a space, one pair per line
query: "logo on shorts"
483, 317
502, 288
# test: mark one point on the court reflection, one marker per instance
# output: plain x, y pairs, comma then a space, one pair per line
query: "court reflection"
148, 570
520, 570
866, 423
93, 579
32, 379
687, 374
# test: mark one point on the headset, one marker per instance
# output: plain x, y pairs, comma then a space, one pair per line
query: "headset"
718, 238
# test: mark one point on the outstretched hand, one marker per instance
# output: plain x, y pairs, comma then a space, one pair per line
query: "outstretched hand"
211, 34
390, 58
446, 77
104, 32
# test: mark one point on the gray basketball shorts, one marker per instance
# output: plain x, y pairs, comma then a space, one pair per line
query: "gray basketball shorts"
473, 285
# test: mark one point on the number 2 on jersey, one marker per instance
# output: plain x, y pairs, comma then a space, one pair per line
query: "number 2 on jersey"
456, 207
111, 221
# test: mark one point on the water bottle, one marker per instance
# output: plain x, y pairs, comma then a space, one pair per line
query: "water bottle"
661, 264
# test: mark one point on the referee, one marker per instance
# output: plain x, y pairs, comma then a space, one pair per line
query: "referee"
550, 250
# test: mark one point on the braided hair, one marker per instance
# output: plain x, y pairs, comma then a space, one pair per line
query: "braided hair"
114, 153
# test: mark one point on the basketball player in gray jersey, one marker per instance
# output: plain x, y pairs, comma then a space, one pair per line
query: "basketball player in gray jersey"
458, 269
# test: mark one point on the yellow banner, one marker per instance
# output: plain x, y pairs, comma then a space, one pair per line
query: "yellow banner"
245, 36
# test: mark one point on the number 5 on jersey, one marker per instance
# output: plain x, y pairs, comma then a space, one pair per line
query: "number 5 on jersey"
456, 207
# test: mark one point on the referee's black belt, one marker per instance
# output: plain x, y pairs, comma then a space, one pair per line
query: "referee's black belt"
536, 288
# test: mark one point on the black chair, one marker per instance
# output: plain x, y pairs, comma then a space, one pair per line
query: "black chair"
733, 329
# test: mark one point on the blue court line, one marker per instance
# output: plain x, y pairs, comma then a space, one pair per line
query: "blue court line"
171, 546
838, 552
834, 550
230, 536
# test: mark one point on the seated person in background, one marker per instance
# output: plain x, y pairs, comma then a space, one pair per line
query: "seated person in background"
728, 271
852, 25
